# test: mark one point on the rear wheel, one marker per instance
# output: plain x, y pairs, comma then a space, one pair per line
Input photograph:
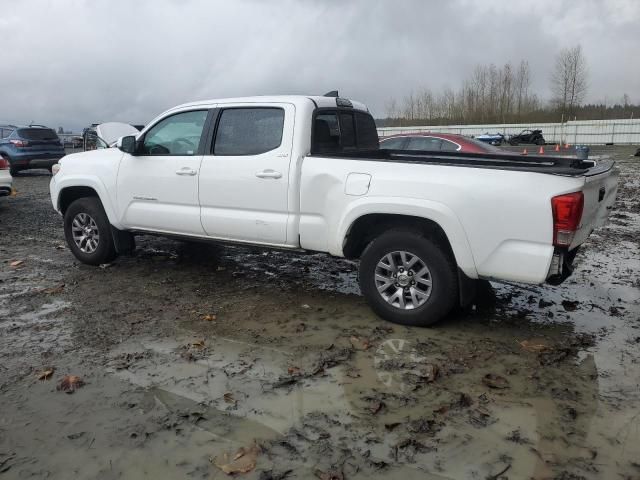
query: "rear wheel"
408, 278
88, 231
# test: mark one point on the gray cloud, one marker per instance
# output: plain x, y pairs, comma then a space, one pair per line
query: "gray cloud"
75, 62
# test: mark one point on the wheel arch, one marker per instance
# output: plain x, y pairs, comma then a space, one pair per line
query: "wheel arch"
70, 194
67, 189
360, 225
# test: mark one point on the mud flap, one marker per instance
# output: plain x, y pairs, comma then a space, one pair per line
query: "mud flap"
124, 241
468, 289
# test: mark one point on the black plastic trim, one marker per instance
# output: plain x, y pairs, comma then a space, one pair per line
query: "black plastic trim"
536, 164
209, 127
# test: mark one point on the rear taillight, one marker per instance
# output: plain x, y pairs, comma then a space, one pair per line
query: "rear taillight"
567, 213
20, 143
4, 163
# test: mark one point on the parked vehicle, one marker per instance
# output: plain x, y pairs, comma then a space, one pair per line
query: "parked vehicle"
533, 137
105, 135
424, 225
33, 146
436, 142
6, 180
496, 139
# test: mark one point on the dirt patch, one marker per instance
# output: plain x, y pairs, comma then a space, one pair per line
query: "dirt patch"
191, 354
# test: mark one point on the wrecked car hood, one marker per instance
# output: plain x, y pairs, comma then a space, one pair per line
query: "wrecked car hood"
110, 132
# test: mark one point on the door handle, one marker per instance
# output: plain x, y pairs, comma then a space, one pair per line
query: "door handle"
186, 171
268, 174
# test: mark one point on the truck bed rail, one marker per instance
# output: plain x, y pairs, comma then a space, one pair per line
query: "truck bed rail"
555, 165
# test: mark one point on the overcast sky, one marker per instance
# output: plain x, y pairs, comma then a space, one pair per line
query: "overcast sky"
74, 62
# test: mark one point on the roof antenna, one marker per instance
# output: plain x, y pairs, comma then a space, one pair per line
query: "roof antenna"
332, 93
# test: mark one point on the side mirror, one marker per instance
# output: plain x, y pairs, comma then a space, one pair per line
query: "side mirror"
127, 144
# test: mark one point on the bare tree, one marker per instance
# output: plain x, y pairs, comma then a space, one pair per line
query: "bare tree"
522, 82
569, 79
391, 106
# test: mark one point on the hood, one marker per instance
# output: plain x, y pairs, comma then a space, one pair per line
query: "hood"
110, 132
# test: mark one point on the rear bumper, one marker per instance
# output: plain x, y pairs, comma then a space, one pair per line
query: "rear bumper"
35, 160
562, 265
5, 191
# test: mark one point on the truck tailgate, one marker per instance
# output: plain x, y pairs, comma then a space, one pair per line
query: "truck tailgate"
600, 188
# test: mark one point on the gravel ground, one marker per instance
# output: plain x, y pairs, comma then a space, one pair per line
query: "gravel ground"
199, 360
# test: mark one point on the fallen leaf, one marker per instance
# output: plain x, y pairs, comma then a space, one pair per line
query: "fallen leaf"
429, 372
60, 247
293, 371
492, 380
16, 263
533, 347
210, 318
70, 383
197, 343
376, 406
53, 290
360, 343
46, 373
228, 397
243, 461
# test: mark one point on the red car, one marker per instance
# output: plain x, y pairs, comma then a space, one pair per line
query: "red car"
447, 142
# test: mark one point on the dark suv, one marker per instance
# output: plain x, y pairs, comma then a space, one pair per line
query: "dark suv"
32, 146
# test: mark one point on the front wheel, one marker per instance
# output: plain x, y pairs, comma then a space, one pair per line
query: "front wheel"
408, 278
88, 232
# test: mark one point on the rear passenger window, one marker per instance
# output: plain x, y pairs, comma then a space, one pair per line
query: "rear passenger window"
424, 143
393, 143
249, 131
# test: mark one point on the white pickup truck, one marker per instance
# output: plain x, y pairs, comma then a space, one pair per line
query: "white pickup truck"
306, 173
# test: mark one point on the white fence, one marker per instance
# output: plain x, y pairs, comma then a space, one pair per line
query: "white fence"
590, 132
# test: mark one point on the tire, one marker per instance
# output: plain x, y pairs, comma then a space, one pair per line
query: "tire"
89, 213
540, 141
515, 143
440, 299
13, 171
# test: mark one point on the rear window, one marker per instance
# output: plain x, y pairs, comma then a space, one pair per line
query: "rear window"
37, 134
339, 131
347, 131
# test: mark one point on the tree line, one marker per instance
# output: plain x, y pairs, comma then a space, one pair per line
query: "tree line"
493, 94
